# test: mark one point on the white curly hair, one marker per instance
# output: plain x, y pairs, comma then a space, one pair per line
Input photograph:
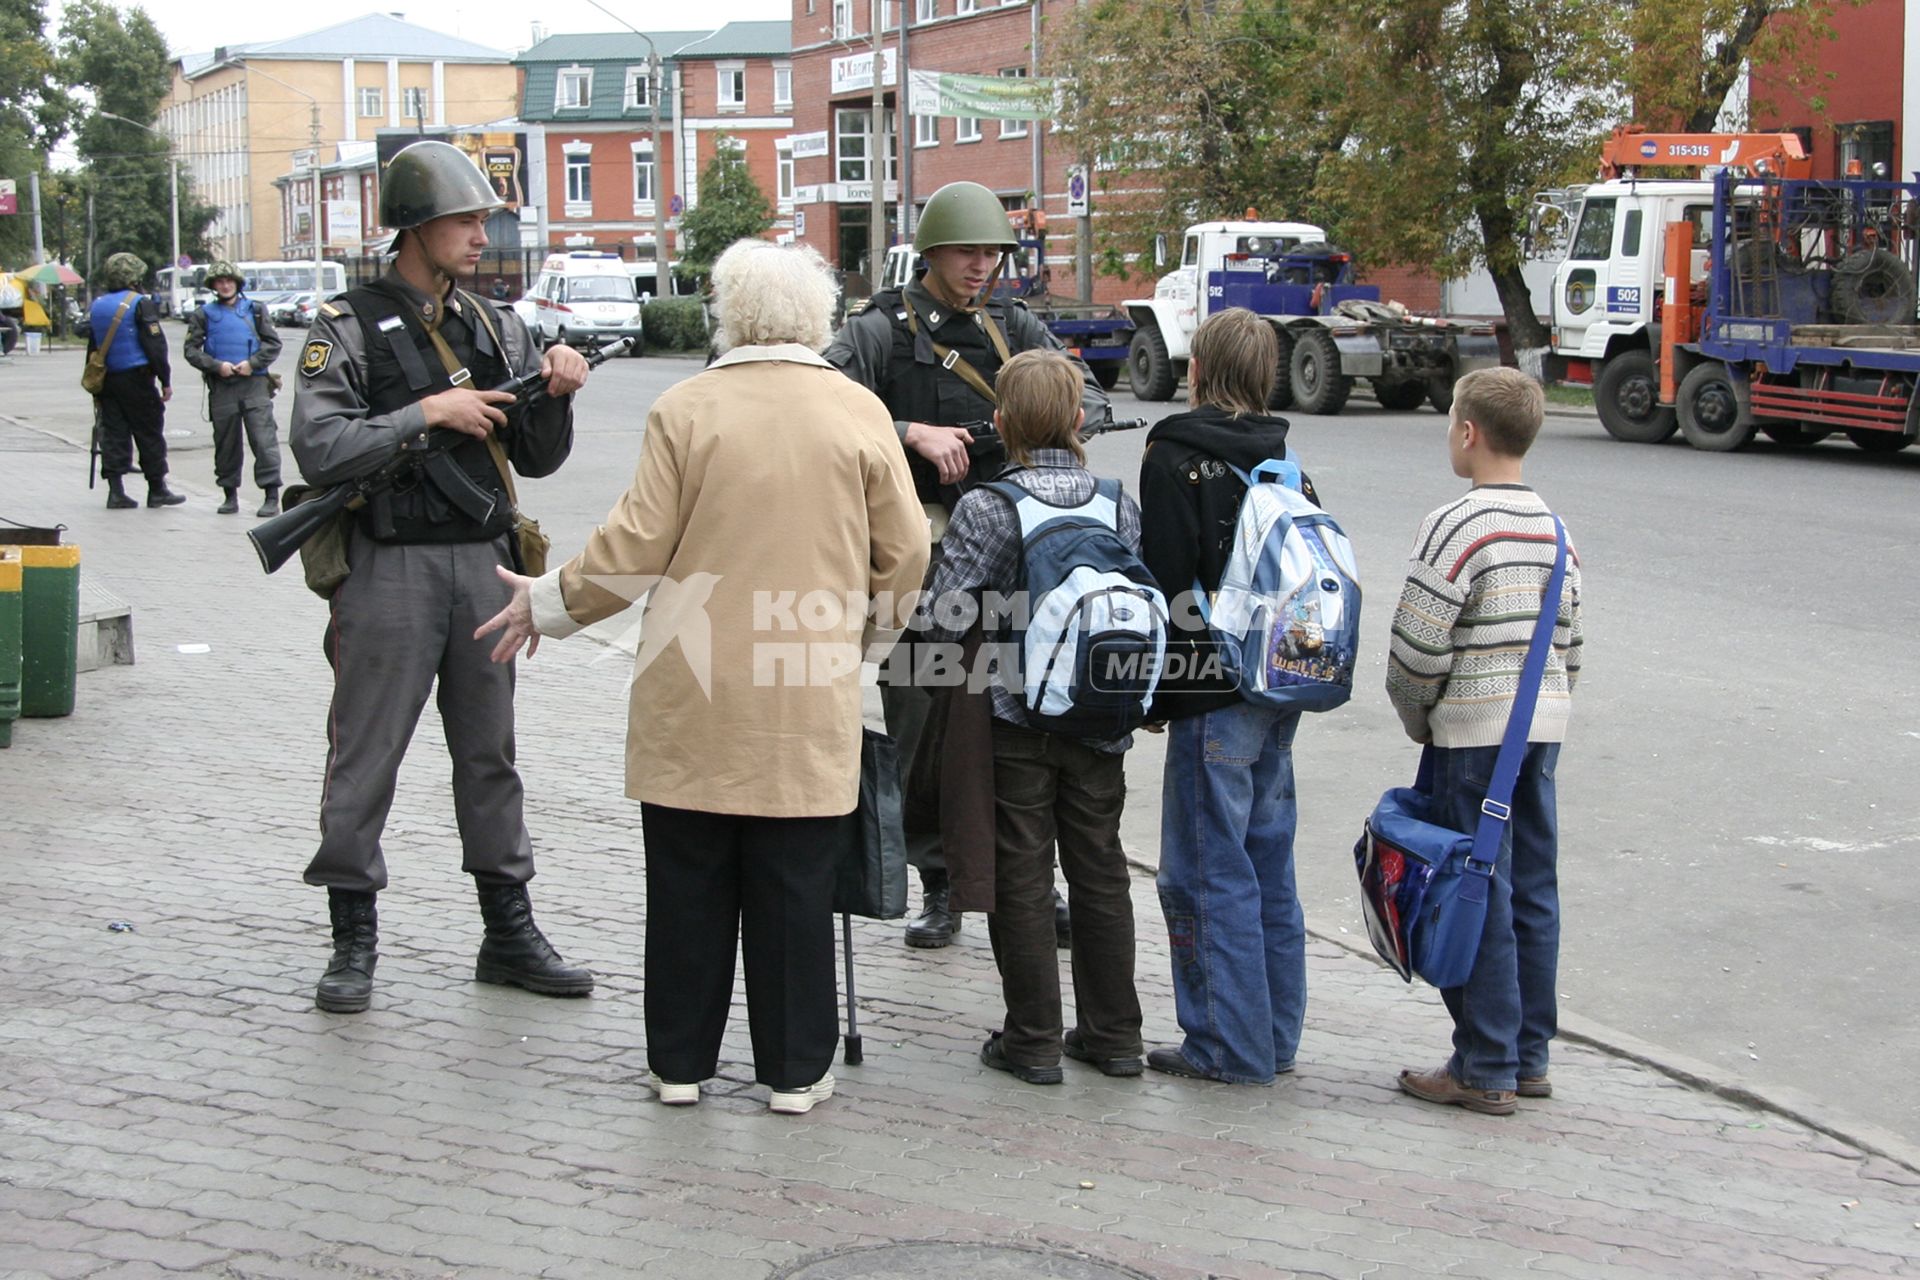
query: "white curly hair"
765, 293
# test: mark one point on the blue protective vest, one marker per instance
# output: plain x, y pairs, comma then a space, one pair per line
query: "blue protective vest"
125, 353
230, 332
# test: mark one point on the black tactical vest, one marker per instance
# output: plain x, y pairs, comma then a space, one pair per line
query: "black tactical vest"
402, 367
917, 389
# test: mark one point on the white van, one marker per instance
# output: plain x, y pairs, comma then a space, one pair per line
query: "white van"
585, 296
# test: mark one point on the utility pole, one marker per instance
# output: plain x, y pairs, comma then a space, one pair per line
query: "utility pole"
1083, 234
39, 246
903, 218
877, 160
656, 86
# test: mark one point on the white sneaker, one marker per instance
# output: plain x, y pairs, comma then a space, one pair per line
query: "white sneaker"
797, 1102
675, 1095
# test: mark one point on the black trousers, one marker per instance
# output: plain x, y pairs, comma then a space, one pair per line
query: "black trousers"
132, 413
718, 880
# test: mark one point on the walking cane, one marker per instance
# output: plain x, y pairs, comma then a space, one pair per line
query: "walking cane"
853, 1054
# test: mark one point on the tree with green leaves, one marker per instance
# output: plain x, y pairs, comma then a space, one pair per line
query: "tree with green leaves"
732, 206
33, 112
121, 59
1190, 110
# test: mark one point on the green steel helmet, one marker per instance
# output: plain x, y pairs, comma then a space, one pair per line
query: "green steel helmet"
431, 180
123, 271
221, 267
963, 213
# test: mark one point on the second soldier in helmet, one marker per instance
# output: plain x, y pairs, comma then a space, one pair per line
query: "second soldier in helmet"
931, 351
231, 341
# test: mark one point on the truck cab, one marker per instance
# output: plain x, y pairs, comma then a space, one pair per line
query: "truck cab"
1606, 294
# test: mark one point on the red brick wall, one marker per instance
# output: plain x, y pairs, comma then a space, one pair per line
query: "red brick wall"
1858, 73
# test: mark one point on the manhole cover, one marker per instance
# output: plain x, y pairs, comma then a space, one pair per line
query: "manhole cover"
936, 1261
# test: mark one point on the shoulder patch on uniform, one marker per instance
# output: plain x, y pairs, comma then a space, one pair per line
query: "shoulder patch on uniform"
313, 360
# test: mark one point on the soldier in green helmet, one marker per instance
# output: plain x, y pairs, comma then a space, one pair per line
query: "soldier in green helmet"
382, 364
931, 351
231, 342
131, 404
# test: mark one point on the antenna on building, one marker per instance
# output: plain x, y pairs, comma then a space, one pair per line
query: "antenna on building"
539, 33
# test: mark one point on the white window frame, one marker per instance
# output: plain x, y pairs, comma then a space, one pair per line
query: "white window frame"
926, 10
372, 101
583, 76
966, 129
643, 164
926, 131
865, 117
966, 6
728, 75
783, 174
639, 91
783, 84
1013, 128
415, 102
842, 19
578, 191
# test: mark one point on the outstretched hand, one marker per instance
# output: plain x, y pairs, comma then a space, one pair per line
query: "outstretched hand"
515, 622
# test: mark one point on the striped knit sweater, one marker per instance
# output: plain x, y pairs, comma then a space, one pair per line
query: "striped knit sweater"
1466, 614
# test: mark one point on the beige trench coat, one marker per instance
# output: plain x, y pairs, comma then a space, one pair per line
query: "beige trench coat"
772, 500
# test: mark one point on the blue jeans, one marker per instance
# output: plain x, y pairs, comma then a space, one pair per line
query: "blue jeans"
1234, 924
1504, 1016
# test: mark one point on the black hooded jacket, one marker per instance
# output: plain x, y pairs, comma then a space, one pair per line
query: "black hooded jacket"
1189, 503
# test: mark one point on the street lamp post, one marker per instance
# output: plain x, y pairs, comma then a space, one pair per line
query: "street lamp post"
313, 168
877, 159
173, 174
656, 85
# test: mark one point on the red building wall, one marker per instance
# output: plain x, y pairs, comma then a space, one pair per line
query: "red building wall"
1857, 73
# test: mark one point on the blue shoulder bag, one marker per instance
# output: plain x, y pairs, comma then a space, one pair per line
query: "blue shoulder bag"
1423, 887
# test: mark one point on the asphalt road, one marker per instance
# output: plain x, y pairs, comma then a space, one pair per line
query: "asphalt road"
1738, 830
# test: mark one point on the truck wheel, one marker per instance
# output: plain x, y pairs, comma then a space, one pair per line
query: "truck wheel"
1710, 410
1879, 441
1627, 394
1281, 397
1106, 373
1440, 394
1399, 396
1149, 367
1872, 286
1318, 384
1793, 435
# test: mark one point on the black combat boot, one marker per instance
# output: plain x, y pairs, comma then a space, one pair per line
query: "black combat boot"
1062, 922
158, 495
935, 925
516, 954
231, 506
270, 507
117, 499
347, 985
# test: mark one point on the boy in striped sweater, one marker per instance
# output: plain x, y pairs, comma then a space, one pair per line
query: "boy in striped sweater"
1473, 594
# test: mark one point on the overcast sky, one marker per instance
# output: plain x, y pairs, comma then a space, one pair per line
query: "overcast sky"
196, 26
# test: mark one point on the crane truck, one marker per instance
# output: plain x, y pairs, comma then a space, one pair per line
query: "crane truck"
1749, 299
1332, 330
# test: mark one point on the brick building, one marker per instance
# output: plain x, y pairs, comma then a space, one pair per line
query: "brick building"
586, 99
1868, 81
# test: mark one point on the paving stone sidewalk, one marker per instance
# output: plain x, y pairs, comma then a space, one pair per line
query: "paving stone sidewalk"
170, 1100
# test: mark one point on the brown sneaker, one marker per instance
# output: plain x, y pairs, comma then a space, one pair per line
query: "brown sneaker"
1440, 1086
1534, 1087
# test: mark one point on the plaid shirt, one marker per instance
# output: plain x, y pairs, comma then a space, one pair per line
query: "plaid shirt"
981, 552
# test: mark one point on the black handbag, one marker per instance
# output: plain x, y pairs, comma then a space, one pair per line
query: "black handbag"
871, 880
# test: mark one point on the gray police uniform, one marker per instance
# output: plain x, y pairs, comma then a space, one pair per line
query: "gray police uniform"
877, 349
422, 577
239, 403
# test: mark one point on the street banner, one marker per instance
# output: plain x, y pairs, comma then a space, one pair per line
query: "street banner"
9, 196
940, 93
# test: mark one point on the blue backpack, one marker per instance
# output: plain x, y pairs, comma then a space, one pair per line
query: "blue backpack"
1093, 637
1287, 614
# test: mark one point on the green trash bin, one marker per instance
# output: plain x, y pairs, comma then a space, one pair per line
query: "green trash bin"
10, 608
50, 624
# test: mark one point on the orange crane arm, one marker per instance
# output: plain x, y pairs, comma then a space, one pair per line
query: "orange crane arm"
1632, 147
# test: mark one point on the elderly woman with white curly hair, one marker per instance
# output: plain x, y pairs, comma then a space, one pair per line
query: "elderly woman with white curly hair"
771, 500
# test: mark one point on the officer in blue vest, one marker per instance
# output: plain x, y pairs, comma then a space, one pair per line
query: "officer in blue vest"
132, 403
231, 341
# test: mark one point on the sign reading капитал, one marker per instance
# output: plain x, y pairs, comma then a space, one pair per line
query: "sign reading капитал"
939, 93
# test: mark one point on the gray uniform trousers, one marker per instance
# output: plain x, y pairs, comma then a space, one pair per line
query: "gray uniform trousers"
405, 617
234, 402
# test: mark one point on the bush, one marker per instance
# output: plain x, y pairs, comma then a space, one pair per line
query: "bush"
675, 324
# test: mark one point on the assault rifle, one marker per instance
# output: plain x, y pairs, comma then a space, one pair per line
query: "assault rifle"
427, 452
987, 458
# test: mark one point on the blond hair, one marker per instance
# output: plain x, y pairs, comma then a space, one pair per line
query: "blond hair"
1039, 394
1236, 358
1507, 406
765, 293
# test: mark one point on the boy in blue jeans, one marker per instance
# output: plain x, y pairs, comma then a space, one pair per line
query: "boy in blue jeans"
1472, 597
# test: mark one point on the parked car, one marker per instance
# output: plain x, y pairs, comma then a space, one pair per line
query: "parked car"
293, 309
